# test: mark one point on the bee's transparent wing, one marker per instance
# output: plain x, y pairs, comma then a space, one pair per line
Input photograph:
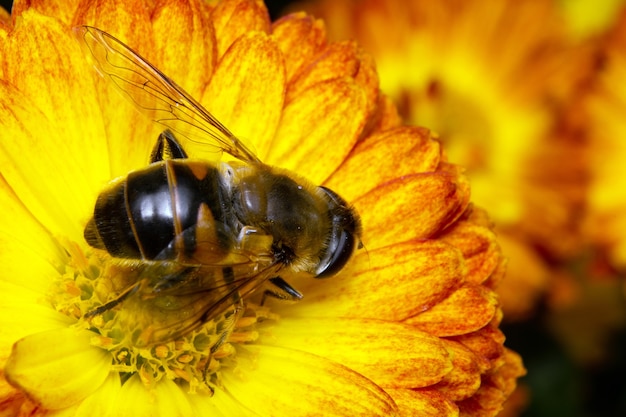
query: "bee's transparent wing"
156, 95
171, 299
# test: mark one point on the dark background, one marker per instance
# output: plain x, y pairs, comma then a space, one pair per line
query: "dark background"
559, 386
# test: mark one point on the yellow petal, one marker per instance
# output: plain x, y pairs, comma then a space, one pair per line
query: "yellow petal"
50, 128
274, 381
431, 201
246, 93
423, 403
57, 368
221, 404
24, 312
315, 135
232, 19
300, 37
383, 157
99, 403
26, 248
391, 283
468, 309
390, 354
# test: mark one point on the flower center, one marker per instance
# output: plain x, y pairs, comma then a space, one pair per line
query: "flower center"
100, 293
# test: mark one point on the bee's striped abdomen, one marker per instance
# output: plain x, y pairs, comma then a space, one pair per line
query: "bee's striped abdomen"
164, 211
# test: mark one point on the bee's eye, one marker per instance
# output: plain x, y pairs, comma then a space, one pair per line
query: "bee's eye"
340, 249
344, 237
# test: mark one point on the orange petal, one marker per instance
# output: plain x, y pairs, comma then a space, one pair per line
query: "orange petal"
423, 403
300, 37
185, 43
480, 249
415, 206
246, 93
486, 342
465, 378
127, 20
57, 368
339, 60
391, 283
383, 157
11, 399
390, 354
316, 133
232, 19
62, 10
308, 384
466, 310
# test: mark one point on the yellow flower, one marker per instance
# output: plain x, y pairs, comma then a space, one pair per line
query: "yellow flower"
604, 106
409, 326
490, 77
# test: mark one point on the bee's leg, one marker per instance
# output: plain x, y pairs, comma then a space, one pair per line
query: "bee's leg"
106, 307
167, 147
282, 290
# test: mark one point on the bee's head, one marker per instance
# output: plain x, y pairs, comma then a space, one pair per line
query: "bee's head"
344, 237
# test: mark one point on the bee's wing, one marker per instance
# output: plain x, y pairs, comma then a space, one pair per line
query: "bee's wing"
156, 95
172, 299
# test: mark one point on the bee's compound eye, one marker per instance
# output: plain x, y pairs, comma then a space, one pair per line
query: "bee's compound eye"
340, 250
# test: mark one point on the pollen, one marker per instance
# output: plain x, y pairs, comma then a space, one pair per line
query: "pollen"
93, 289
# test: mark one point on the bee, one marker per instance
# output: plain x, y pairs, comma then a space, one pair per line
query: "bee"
207, 234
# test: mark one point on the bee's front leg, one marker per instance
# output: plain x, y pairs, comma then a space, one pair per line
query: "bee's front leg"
282, 290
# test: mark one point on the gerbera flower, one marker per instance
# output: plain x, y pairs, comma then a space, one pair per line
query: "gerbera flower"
409, 326
488, 77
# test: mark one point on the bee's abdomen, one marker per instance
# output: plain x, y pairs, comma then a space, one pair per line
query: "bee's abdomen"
154, 212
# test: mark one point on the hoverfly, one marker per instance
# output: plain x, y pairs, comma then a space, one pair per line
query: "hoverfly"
207, 234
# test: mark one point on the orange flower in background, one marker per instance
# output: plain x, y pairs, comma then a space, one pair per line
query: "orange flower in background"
409, 326
604, 105
491, 79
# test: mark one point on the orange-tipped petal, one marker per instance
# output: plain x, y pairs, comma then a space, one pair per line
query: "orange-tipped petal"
412, 197
330, 387
300, 37
232, 19
57, 358
247, 90
390, 354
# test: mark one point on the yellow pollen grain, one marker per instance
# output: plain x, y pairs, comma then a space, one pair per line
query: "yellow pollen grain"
161, 351
72, 290
244, 337
102, 341
146, 377
245, 322
185, 358
181, 373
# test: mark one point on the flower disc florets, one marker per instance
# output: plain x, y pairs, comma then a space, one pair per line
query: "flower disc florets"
194, 360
